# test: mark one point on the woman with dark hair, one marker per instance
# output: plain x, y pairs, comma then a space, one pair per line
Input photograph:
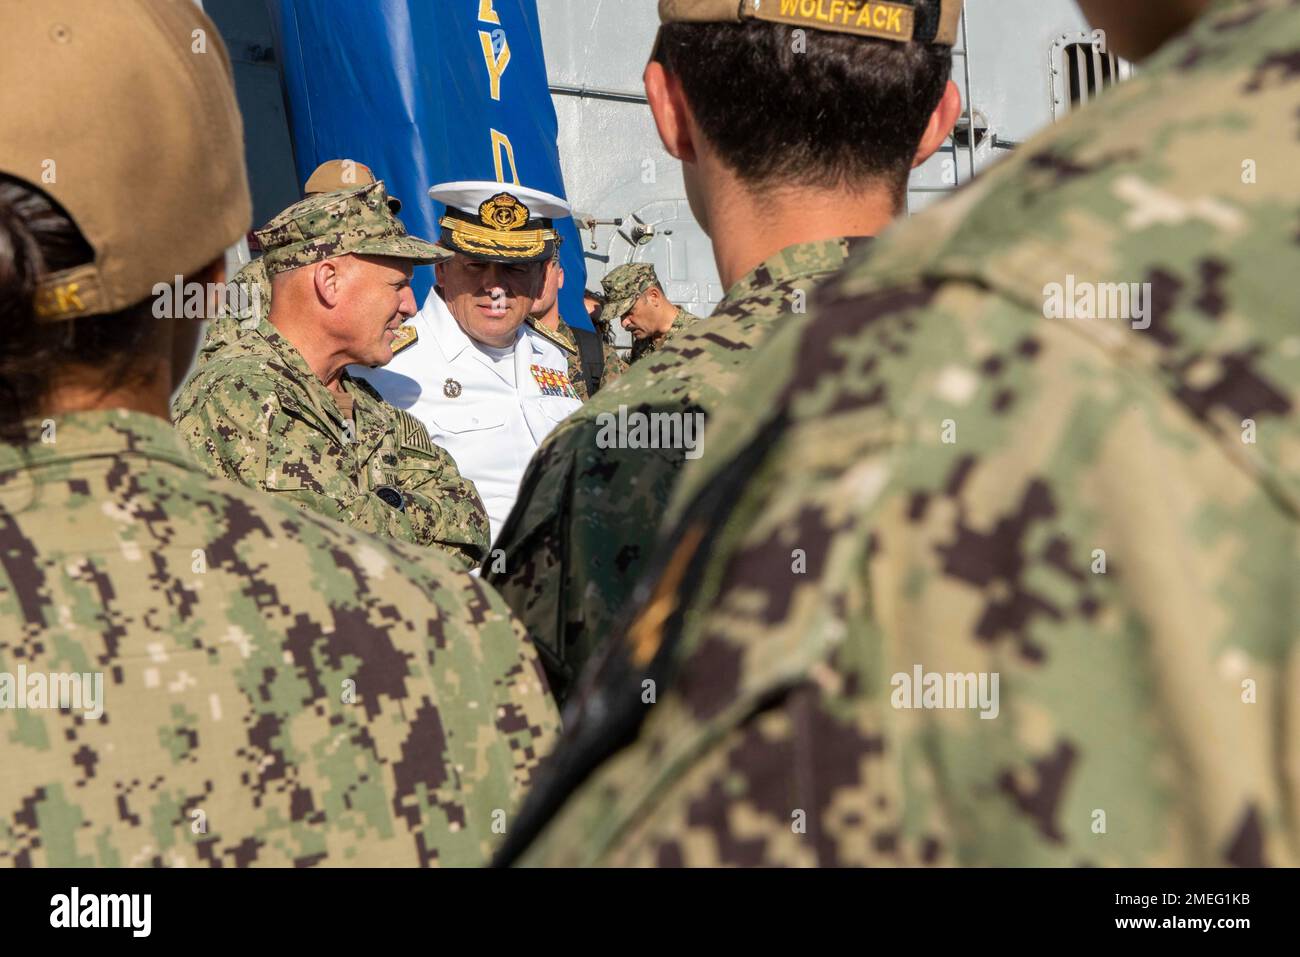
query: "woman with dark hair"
190, 672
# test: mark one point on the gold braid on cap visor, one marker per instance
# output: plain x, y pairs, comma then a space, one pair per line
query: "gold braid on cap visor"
492, 242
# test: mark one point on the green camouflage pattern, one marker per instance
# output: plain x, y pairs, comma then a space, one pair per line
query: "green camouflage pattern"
622, 285
357, 221
585, 520
278, 690
229, 326
928, 470
563, 337
649, 346
258, 415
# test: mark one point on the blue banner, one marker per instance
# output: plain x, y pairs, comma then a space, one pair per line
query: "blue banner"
426, 92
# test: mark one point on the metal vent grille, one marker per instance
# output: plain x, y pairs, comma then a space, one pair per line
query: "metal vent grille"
1082, 69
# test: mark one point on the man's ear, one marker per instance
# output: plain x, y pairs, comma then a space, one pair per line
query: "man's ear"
325, 276
671, 112
941, 124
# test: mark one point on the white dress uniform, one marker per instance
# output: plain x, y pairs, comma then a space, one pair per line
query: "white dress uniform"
491, 412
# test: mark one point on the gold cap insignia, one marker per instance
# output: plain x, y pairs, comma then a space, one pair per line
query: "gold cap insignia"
503, 212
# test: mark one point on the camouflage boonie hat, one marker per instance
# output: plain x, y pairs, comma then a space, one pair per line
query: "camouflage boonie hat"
623, 285
355, 220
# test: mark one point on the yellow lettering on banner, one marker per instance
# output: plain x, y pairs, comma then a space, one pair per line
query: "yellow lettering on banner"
501, 144
485, 12
789, 7
496, 64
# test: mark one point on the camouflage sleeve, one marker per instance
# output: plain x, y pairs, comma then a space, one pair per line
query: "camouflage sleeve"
520, 715
242, 429
935, 632
442, 505
614, 365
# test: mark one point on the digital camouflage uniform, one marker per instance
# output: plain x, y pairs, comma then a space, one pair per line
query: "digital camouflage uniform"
645, 347
258, 415
623, 286
563, 337
928, 471
586, 516
277, 689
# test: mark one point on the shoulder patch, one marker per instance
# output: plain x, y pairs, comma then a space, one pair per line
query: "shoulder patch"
411, 433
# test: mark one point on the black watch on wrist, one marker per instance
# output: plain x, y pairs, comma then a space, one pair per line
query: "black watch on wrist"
392, 496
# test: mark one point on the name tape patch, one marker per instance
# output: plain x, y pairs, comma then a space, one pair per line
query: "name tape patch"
891, 21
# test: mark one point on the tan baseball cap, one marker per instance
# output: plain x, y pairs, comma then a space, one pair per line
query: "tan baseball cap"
125, 114
334, 175
901, 20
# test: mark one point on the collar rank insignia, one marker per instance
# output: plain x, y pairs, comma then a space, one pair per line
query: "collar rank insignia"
553, 382
406, 337
451, 389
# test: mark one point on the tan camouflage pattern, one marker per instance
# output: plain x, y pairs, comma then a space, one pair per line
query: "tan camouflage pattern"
1111, 528
563, 337
586, 517
649, 346
357, 221
258, 415
278, 690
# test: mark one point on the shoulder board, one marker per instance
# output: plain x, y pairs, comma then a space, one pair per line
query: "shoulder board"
550, 336
407, 336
